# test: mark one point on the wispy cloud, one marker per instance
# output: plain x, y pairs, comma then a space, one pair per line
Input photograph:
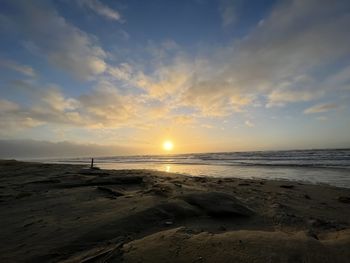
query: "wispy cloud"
64, 45
102, 9
184, 119
228, 12
319, 108
299, 89
13, 65
249, 124
8, 106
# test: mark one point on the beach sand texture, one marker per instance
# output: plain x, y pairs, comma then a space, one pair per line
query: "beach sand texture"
68, 213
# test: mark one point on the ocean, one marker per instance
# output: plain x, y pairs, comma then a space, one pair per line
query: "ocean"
329, 166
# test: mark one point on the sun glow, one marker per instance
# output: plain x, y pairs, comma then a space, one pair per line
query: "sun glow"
168, 145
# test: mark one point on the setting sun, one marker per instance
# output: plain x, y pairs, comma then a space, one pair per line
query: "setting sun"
168, 145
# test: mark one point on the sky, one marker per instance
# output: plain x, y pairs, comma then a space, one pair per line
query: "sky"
114, 77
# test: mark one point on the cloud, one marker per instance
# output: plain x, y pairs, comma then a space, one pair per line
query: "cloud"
101, 9
283, 48
48, 34
296, 90
54, 99
276, 64
249, 124
166, 81
319, 108
104, 107
8, 106
228, 12
48, 106
122, 72
176, 84
207, 126
215, 99
13, 65
14, 117
184, 119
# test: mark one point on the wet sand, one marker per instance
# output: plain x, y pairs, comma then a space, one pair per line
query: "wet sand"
67, 213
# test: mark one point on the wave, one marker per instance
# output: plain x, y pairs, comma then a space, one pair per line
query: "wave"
296, 158
315, 166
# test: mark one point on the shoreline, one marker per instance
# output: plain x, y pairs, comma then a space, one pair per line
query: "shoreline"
67, 213
305, 174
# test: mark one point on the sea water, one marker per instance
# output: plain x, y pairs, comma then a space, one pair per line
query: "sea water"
330, 166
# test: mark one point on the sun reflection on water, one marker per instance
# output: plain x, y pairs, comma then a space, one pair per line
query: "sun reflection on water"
167, 168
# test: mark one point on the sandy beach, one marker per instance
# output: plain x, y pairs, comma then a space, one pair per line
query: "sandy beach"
69, 213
